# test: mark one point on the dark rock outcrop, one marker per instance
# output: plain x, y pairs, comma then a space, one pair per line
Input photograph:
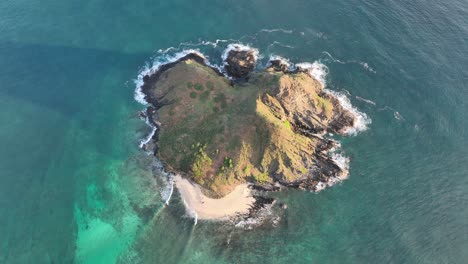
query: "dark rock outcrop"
344, 120
239, 63
279, 66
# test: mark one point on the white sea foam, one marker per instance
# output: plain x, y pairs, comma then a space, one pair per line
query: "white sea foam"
183, 45
365, 100
167, 50
147, 139
398, 116
166, 181
239, 47
281, 44
287, 31
361, 120
333, 58
320, 186
340, 160
366, 66
282, 59
214, 44
190, 212
248, 223
317, 69
154, 67
259, 218
170, 192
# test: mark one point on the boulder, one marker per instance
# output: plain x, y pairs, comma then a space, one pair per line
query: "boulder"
239, 63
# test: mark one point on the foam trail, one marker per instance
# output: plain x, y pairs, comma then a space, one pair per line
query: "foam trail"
150, 135
200, 43
191, 212
281, 44
333, 58
365, 100
139, 95
170, 193
396, 114
286, 31
167, 50
366, 66
205, 43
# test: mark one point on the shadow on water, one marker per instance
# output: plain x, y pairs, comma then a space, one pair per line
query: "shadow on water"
61, 78
47, 94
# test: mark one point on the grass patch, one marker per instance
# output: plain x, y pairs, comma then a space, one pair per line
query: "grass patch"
209, 85
198, 87
325, 104
262, 177
204, 96
233, 143
221, 99
287, 125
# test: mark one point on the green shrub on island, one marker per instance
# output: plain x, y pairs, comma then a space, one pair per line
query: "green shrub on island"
198, 87
201, 161
204, 96
261, 177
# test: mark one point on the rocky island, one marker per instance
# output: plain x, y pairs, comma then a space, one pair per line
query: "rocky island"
230, 131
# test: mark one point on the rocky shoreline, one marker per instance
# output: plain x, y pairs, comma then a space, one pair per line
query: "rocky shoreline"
238, 66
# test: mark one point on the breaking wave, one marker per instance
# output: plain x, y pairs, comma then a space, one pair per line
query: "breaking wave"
361, 120
317, 69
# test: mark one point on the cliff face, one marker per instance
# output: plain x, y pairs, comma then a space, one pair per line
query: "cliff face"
266, 129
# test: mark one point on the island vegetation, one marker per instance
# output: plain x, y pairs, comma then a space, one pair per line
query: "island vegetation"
261, 127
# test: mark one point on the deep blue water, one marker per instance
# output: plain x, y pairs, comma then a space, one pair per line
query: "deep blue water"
74, 185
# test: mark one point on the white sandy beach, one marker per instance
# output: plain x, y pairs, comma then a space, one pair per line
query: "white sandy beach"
238, 201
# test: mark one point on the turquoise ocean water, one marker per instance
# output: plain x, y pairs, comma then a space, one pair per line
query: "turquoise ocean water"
75, 188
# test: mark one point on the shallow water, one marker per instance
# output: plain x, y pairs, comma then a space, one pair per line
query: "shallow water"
75, 188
